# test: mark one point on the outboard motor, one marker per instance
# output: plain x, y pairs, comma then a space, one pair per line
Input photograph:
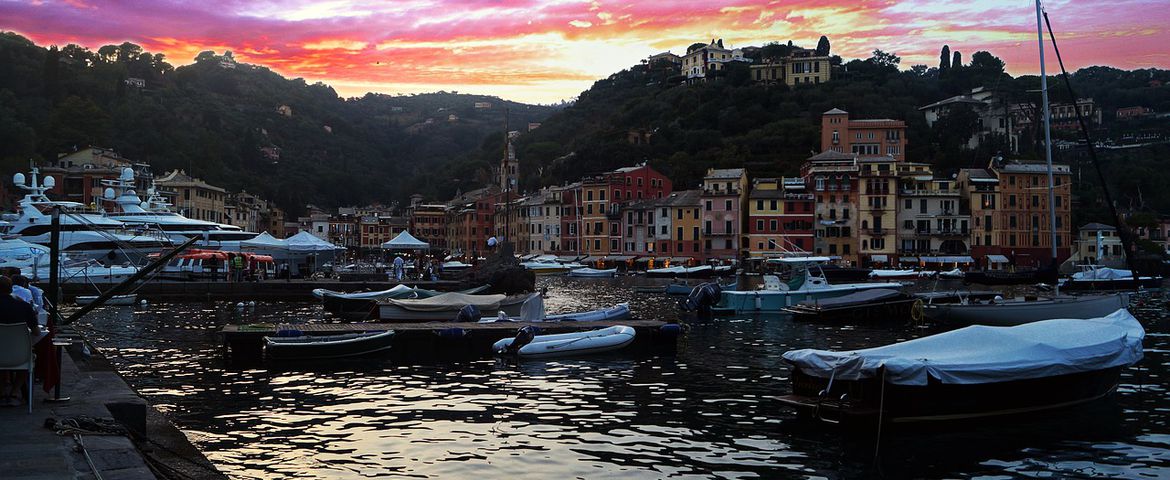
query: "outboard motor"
524, 336
469, 313
702, 298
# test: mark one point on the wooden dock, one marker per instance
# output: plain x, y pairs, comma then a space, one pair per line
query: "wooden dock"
166, 290
429, 339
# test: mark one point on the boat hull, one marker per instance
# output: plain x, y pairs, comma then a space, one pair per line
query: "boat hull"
938, 402
116, 300
391, 312
1006, 314
1112, 284
775, 301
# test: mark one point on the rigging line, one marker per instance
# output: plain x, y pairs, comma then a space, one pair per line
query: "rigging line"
1123, 230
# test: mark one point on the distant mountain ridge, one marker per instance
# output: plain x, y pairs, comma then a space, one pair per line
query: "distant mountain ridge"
243, 126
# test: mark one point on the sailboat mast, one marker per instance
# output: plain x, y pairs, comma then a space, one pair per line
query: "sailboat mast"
1047, 132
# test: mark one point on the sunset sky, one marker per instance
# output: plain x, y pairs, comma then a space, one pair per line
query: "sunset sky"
546, 51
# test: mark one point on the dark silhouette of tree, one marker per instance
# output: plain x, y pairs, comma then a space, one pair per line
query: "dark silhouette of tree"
958, 60
944, 62
52, 73
823, 46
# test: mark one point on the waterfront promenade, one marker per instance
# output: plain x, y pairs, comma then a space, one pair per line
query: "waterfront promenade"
29, 450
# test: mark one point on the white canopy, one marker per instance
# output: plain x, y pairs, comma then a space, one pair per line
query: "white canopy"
982, 354
405, 241
264, 240
1103, 273
307, 242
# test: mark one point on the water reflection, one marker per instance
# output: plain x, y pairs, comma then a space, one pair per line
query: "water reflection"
707, 410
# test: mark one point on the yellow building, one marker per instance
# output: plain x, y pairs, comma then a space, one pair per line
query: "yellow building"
193, 197
878, 184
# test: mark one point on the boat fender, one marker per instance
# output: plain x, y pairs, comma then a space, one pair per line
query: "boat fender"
454, 333
524, 336
469, 313
289, 332
671, 329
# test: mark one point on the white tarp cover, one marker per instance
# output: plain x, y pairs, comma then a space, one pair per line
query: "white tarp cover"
451, 302
405, 241
1103, 273
264, 240
982, 354
306, 242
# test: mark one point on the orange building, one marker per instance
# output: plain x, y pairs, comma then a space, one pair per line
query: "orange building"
863, 137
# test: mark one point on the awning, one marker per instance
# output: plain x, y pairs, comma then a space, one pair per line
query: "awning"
997, 259
949, 259
568, 258
680, 259
879, 258
908, 259
618, 258
405, 241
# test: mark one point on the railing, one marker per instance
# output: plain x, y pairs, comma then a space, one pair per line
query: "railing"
932, 193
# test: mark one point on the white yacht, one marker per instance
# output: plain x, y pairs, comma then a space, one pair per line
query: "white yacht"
84, 233
155, 213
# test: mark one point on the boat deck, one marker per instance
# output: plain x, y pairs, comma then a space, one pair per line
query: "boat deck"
469, 339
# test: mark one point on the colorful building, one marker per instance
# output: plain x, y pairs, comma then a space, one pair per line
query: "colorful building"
877, 198
679, 225
832, 178
930, 219
724, 202
604, 194
780, 217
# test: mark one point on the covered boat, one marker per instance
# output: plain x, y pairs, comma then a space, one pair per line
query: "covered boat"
319, 347
1094, 277
116, 300
576, 343
362, 305
545, 267
592, 272
444, 307
876, 304
888, 274
1000, 312
685, 289
701, 271
971, 372
954, 273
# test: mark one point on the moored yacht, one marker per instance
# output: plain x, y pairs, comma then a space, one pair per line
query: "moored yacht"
84, 232
155, 213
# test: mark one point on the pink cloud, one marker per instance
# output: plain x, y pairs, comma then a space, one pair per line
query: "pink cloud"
561, 46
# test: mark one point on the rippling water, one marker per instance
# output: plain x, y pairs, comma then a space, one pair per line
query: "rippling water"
708, 410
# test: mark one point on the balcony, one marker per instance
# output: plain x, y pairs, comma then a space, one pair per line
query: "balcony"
876, 231
913, 192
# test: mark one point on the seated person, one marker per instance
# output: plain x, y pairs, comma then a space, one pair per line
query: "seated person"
23, 290
14, 311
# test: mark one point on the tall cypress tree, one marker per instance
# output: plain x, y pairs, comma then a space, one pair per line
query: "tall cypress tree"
823, 46
944, 62
958, 61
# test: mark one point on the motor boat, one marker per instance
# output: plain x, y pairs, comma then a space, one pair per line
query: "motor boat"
902, 274
154, 213
545, 267
805, 285
998, 371
363, 305
85, 233
1019, 311
878, 304
701, 271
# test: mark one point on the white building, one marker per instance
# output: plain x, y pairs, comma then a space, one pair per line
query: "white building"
699, 62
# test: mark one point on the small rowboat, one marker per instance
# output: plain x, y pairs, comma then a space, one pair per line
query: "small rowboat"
592, 272
116, 300
576, 343
317, 347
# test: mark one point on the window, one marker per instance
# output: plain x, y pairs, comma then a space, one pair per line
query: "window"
601, 195
773, 205
759, 204
695, 233
727, 227
707, 227
759, 225
772, 225
680, 233
909, 204
727, 205
708, 205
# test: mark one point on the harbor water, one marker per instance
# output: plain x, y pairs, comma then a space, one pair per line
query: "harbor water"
708, 410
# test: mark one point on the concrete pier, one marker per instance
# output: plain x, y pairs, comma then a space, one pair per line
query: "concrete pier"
29, 450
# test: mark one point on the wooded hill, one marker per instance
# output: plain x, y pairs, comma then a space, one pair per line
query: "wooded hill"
220, 121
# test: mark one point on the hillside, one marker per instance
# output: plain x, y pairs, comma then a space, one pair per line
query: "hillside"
220, 121
773, 129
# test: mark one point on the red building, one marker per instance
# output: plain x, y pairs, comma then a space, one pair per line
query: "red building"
604, 194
